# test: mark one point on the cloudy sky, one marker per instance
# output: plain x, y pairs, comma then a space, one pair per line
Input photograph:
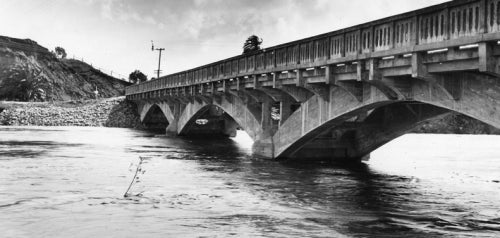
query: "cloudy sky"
116, 34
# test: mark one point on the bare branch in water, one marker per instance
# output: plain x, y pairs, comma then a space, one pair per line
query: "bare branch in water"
137, 170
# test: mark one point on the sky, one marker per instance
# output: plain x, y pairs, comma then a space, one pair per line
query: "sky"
116, 34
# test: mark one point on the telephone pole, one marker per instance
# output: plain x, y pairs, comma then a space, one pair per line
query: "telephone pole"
159, 58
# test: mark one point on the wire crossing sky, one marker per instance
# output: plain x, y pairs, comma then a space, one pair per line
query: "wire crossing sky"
116, 34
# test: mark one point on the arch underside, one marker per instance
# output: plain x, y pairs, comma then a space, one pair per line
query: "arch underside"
154, 118
353, 129
359, 135
210, 121
226, 115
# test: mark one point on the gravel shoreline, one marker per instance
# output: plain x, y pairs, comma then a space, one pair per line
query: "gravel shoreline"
109, 112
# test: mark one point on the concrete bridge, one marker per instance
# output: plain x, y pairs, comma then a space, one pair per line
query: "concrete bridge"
344, 93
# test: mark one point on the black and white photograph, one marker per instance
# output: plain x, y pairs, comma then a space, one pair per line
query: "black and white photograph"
249, 118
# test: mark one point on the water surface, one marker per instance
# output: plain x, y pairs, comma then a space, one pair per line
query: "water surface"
69, 182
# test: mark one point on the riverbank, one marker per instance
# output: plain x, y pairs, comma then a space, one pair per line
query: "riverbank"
109, 112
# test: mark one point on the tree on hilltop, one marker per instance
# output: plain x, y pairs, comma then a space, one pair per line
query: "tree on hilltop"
60, 52
137, 77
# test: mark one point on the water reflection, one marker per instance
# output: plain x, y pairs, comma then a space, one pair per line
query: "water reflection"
75, 185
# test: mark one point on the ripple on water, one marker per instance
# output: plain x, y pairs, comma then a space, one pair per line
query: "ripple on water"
69, 182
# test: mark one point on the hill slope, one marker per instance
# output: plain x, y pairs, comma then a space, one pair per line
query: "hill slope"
29, 72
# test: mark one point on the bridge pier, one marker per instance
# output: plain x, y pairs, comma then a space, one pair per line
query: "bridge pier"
230, 127
171, 129
264, 148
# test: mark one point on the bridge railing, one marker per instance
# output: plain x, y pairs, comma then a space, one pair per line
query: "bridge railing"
449, 24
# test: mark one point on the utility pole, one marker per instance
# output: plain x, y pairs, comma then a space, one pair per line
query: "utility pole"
159, 58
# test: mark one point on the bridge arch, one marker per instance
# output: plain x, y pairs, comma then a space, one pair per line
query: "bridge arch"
316, 115
479, 96
479, 99
233, 110
210, 121
156, 115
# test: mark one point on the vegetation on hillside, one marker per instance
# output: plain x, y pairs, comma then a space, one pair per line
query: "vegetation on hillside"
35, 76
60, 52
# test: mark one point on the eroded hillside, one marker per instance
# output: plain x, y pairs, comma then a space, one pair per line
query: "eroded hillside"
29, 72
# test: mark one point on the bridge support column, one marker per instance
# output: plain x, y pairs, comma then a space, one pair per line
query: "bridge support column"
285, 110
230, 127
172, 128
264, 147
266, 120
176, 109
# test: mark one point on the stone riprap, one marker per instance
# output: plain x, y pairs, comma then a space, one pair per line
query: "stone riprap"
112, 112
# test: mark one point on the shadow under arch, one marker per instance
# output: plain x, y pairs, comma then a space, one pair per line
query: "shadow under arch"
155, 119
235, 111
210, 121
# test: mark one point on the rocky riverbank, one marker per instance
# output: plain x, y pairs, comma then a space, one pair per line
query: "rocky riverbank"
110, 112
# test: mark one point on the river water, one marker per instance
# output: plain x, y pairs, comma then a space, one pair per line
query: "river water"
70, 182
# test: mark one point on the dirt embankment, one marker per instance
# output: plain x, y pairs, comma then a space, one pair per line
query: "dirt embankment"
111, 112
29, 72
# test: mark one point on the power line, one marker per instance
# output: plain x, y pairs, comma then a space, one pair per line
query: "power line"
103, 70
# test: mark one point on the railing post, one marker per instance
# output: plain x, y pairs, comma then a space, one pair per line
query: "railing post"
274, 58
299, 54
446, 24
483, 16
415, 28
237, 67
342, 45
371, 39
392, 34
358, 42
254, 62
